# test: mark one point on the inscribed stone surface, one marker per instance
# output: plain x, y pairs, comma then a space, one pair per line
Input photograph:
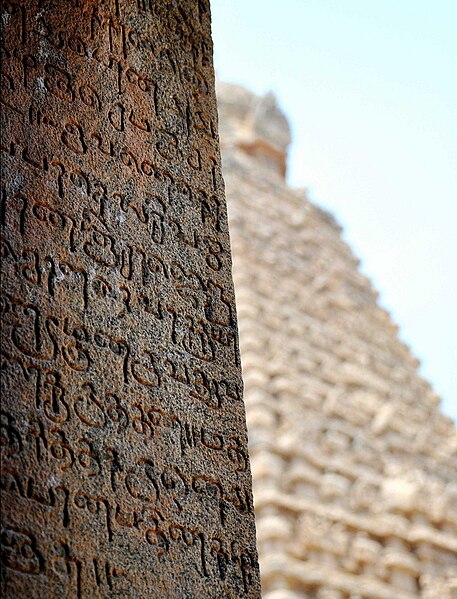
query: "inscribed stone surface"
125, 470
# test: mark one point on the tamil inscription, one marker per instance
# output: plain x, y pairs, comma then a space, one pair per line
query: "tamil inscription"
124, 454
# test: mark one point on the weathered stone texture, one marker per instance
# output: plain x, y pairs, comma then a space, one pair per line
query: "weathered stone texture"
354, 466
125, 470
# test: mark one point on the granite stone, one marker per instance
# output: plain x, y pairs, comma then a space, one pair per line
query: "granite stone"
125, 470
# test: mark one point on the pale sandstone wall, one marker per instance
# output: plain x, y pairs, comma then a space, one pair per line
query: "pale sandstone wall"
354, 466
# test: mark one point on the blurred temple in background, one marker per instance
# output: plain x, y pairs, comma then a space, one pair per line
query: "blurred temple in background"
354, 465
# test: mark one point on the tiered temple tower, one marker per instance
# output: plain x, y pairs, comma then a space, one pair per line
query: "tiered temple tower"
354, 465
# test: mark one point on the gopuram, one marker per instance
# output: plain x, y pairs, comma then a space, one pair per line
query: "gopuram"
354, 466
124, 452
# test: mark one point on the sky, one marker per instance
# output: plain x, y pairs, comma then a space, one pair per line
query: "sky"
370, 90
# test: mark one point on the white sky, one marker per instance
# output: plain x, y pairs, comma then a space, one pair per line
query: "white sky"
370, 89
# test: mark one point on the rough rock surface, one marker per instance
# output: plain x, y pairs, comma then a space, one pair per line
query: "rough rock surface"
354, 466
125, 470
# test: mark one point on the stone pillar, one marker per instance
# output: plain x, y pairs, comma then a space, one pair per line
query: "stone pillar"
125, 467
